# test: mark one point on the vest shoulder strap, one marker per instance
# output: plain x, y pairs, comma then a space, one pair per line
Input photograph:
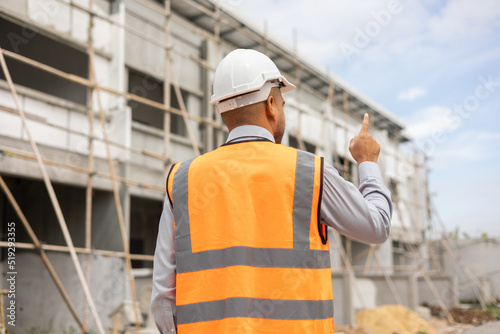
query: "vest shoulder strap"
169, 180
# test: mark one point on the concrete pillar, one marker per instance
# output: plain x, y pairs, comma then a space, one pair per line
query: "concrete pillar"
349, 315
453, 286
385, 255
206, 80
119, 78
335, 260
413, 291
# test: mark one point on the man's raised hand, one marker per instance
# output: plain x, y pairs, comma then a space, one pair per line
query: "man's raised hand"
363, 147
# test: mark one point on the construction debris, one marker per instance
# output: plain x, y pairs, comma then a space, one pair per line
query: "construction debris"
471, 316
464, 315
390, 319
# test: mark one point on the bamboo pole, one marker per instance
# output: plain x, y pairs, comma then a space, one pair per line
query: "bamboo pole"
45, 260
2, 315
166, 85
334, 128
116, 196
90, 166
326, 112
346, 135
361, 254
298, 131
368, 262
52, 195
117, 323
218, 55
266, 38
79, 250
392, 267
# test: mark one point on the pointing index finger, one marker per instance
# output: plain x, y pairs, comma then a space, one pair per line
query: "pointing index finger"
364, 125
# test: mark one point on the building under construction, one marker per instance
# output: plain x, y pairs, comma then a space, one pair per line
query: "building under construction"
98, 99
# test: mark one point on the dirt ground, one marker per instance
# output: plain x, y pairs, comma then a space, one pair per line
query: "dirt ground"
465, 316
488, 328
443, 326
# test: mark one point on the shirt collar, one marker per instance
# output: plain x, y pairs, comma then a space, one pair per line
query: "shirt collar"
249, 131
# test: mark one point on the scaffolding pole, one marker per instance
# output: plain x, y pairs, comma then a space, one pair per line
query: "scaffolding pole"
166, 86
79, 250
90, 166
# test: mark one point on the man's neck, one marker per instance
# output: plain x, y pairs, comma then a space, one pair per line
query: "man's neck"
250, 131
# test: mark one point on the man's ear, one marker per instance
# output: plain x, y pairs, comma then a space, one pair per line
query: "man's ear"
270, 113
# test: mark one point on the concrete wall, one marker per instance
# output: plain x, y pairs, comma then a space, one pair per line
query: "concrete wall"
368, 291
486, 270
41, 307
446, 286
382, 294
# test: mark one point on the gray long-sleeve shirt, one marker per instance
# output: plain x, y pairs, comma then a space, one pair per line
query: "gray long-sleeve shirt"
363, 214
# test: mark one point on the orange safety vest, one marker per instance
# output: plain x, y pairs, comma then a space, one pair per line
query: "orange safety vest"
251, 253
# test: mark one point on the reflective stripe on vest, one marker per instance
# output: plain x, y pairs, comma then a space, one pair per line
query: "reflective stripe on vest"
222, 282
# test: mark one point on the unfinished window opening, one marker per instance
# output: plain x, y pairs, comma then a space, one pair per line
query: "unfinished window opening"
28, 43
294, 142
35, 203
347, 170
32, 197
144, 218
393, 188
150, 88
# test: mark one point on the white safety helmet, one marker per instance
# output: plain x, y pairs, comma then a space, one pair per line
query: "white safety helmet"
245, 77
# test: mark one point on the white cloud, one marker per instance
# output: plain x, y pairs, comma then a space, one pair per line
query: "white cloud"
412, 93
430, 121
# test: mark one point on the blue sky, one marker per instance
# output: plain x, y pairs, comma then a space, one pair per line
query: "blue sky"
434, 64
